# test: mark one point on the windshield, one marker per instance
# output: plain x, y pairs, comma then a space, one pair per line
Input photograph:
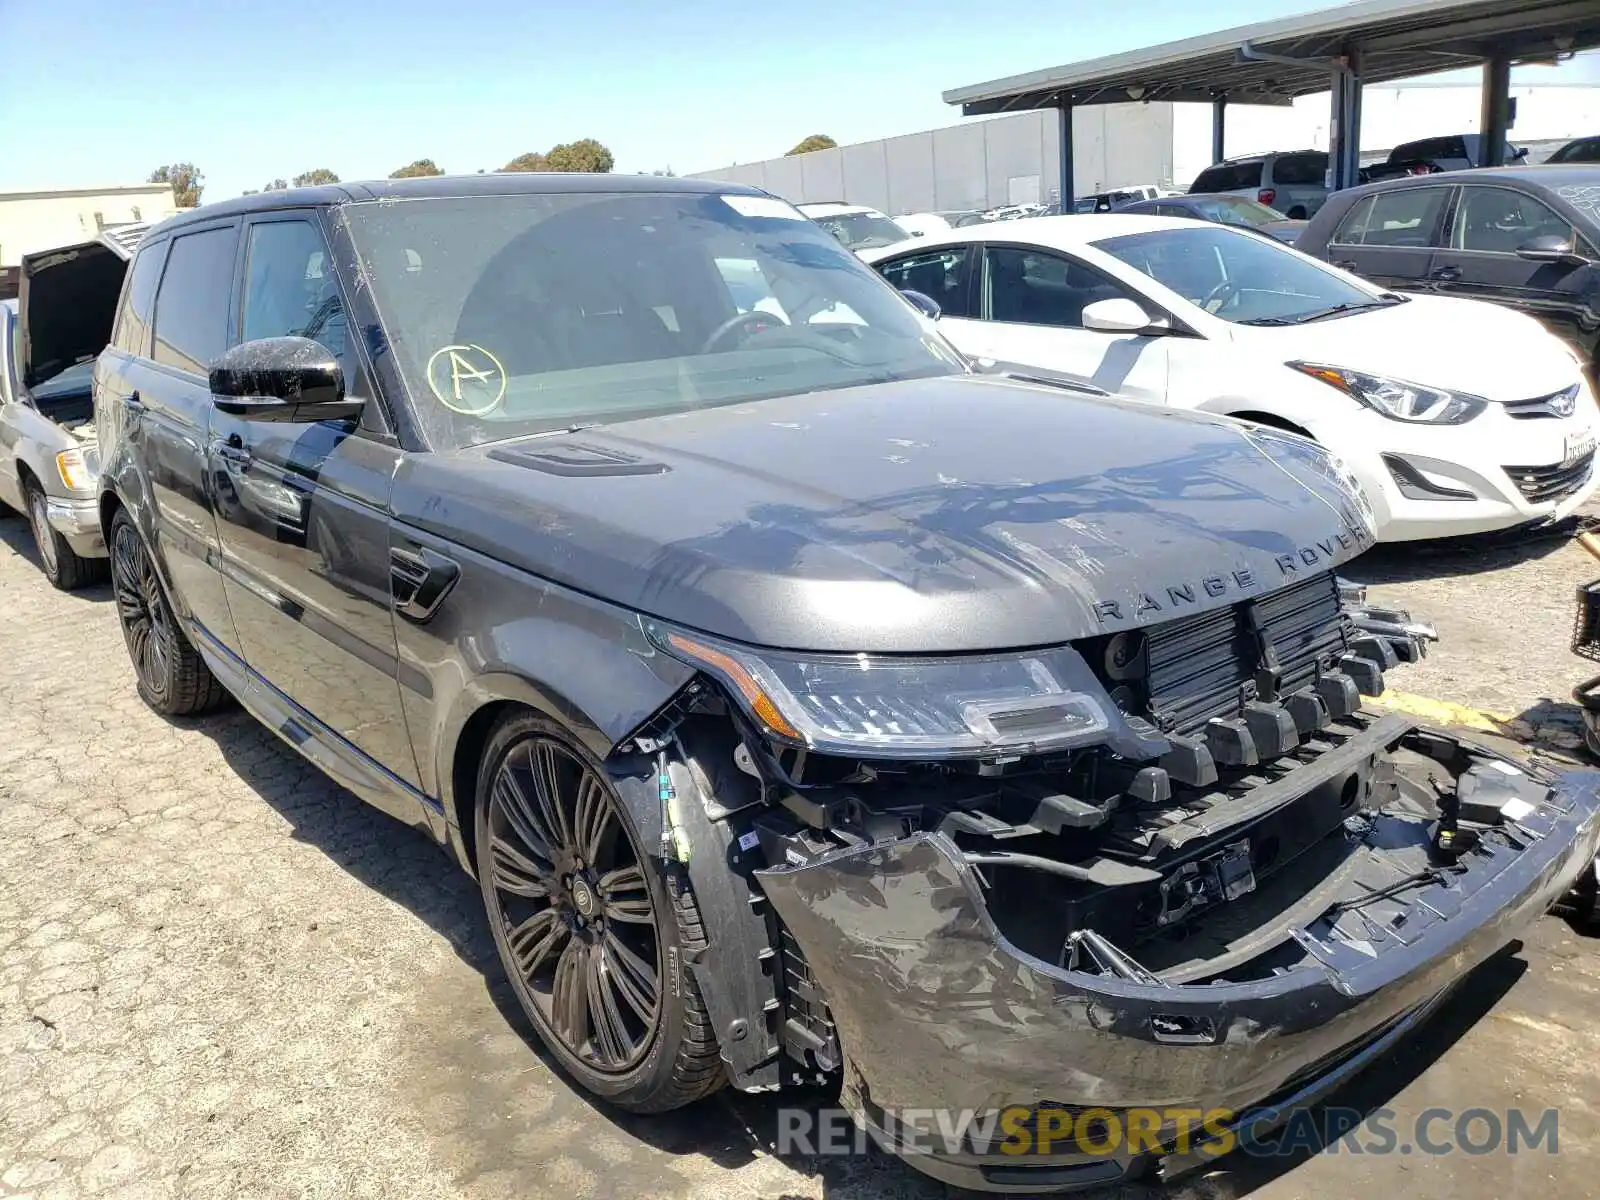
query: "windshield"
511, 315
1241, 277
1235, 210
861, 231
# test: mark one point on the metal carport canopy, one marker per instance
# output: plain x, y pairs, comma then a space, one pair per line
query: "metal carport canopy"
1390, 39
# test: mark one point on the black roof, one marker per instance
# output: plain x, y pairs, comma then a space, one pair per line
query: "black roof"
1539, 178
508, 183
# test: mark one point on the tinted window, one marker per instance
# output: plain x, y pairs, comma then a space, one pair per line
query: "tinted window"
1238, 276
1586, 151
1228, 177
1403, 217
1498, 220
133, 319
510, 315
192, 303
289, 288
1030, 287
1300, 169
941, 274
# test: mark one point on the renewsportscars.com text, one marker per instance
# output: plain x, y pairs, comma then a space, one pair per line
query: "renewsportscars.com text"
1023, 1132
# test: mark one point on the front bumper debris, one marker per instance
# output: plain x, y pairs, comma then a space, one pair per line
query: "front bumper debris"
937, 1010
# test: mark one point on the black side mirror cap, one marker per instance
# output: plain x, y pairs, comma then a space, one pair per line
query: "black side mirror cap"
1551, 248
922, 302
291, 379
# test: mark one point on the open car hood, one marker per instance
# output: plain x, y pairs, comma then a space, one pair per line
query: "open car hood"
68, 298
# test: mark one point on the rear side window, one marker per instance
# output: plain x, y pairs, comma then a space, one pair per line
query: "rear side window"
1228, 177
1300, 169
132, 331
191, 323
1406, 217
941, 274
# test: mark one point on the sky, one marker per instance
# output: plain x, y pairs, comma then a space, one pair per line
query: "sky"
95, 92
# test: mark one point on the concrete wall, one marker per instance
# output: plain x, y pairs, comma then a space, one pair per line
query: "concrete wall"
976, 164
32, 221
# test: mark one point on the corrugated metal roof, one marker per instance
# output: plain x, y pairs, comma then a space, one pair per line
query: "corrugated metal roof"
1395, 39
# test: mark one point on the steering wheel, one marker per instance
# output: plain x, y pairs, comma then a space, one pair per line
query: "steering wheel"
1220, 295
755, 321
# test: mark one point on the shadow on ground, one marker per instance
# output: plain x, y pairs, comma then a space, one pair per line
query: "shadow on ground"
1407, 562
18, 535
730, 1130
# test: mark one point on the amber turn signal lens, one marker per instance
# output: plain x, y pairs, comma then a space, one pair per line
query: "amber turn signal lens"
760, 703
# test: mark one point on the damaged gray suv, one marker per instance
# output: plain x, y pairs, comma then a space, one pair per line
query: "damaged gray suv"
805, 702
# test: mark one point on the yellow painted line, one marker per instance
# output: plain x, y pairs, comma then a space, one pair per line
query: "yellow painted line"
1440, 712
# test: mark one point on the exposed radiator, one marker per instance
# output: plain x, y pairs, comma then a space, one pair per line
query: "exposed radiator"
1213, 664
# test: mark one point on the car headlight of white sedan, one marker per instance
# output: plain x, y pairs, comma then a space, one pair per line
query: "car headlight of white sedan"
1398, 399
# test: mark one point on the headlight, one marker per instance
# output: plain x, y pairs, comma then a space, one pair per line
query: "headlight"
78, 468
1396, 398
903, 707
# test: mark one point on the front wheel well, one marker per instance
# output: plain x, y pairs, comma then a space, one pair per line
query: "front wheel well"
1276, 422
109, 506
464, 764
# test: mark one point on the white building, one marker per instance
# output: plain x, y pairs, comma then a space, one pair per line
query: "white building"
40, 220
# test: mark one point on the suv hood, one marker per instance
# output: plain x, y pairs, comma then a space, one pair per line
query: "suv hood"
939, 515
67, 301
1438, 341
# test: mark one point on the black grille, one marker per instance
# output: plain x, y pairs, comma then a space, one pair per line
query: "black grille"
1556, 404
1211, 665
1540, 484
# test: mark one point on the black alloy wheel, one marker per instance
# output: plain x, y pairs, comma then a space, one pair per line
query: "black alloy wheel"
593, 940
173, 678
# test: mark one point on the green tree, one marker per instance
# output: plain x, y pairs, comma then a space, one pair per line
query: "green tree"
315, 176
817, 141
668, 172
585, 154
530, 161
277, 185
423, 166
186, 180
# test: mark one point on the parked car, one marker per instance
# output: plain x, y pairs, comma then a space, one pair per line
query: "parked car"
1582, 150
693, 632
924, 223
1225, 210
1456, 416
1294, 183
855, 226
1453, 152
49, 337
1526, 239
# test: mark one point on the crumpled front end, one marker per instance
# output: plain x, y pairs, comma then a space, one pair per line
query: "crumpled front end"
1438, 854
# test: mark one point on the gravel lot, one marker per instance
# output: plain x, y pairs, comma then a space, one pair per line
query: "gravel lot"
222, 976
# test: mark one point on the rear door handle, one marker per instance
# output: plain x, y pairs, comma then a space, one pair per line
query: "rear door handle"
1348, 264
419, 580
1446, 274
133, 403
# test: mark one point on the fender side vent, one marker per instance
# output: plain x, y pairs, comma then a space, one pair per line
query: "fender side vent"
578, 461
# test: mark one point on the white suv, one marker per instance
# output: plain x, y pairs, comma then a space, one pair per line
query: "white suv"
1295, 183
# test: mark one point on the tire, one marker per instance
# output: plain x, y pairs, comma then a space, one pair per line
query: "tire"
587, 922
173, 678
61, 564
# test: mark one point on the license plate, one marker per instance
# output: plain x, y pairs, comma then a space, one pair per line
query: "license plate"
1578, 446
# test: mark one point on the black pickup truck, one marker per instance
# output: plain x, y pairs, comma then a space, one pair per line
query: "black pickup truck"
805, 701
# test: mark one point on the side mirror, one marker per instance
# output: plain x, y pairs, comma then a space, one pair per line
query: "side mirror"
281, 379
1549, 248
923, 303
1118, 316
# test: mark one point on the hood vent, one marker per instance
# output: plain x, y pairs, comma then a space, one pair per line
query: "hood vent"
578, 461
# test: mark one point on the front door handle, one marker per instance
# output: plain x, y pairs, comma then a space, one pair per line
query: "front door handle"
419, 580
234, 451
1348, 264
133, 403
1446, 274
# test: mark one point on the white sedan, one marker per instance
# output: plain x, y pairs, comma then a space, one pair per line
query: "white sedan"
1457, 416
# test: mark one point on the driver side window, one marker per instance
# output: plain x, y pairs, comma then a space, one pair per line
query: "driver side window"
289, 289
1031, 287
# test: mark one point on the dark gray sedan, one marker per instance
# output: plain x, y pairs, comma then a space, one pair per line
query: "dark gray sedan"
1223, 210
1525, 237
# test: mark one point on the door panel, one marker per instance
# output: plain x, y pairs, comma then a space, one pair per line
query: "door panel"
1391, 237
1481, 262
1033, 304
302, 516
